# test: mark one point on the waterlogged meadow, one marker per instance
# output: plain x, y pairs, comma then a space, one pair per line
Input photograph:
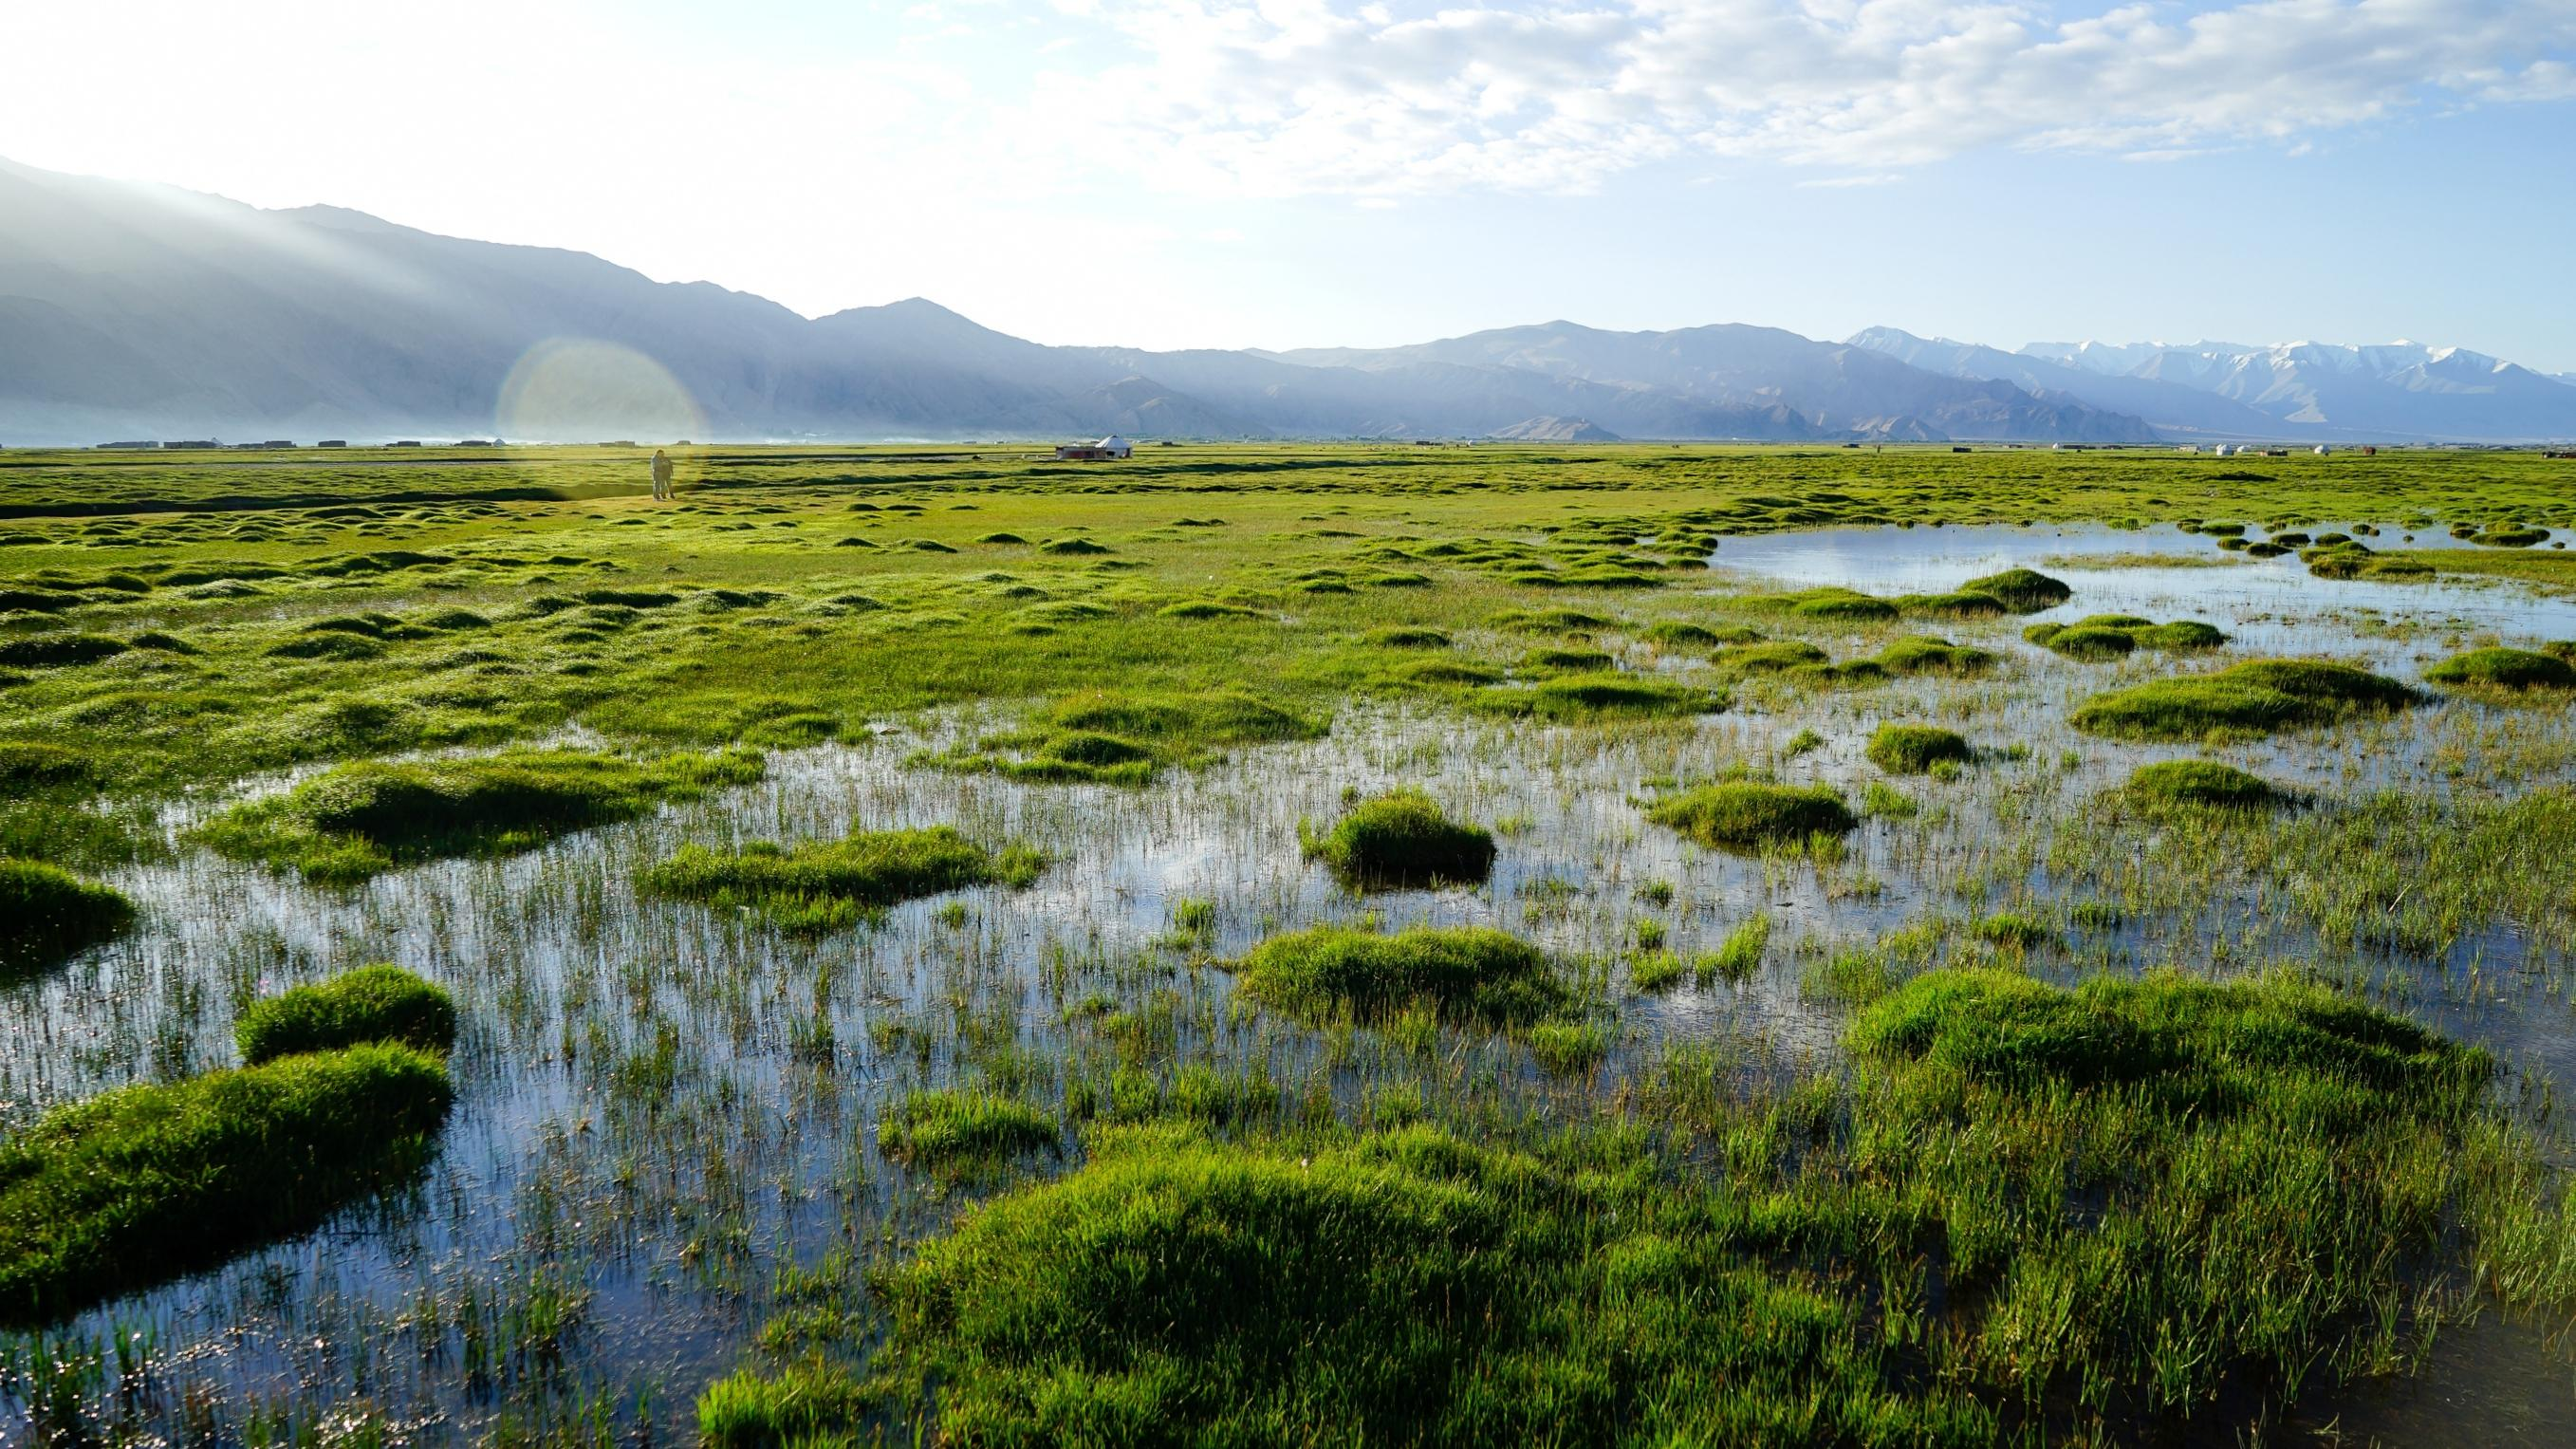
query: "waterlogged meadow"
1263, 945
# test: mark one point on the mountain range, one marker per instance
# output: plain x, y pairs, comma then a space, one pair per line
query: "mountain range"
130, 310
2303, 391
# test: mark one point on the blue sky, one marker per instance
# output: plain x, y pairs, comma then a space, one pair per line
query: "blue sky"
1305, 172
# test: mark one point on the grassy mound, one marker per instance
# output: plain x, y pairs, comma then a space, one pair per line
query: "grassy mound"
1406, 637
2109, 636
1964, 604
1837, 605
1677, 634
1098, 737
1923, 654
1402, 839
1578, 697
2082, 641
2024, 591
47, 913
370, 1004
362, 819
1464, 974
1902, 749
963, 1130
1748, 814
2504, 669
2203, 784
1565, 661
2253, 698
129, 1188
831, 885
58, 651
1769, 658
2142, 1194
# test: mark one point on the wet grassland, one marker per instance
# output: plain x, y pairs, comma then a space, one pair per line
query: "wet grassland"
1461, 945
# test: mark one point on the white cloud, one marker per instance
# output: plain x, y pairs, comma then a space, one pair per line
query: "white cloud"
1281, 97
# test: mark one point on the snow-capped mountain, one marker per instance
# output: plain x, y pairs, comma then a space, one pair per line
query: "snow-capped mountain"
2396, 391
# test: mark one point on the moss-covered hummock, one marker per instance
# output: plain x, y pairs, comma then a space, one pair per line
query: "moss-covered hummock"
2504, 670
2024, 591
371, 1004
47, 913
1750, 814
126, 1189
1463, 974
832, 885
2249, 699
358, 820
2198, 784
1903, 749
1402, 839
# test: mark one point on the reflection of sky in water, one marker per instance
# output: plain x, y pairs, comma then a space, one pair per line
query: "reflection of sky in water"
538, 944
2264, 600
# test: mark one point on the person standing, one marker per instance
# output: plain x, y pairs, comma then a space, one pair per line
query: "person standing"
661, 476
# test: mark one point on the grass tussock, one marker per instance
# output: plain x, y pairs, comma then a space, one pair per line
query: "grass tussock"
1106, 738
832, 885
1751, 814
963, 1130
1903, 749
1576, 698
381, 1003
2111, 636
2244, 700
48, 913
359, 820
2021, 590
141, 1184
1403, 839
2504, 671
1462, 975
2170, 785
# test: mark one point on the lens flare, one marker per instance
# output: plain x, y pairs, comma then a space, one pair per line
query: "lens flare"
581, 389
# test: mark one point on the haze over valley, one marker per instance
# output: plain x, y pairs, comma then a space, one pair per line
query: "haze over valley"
135, 311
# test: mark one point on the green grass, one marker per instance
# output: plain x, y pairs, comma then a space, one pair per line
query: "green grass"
2142, 1196
48, 913
145, 1183
1576, 698
380, 1003
1749, 814
962, 1130
1402, 839
1462, 975
2021, 590
833, 885
1903, 749
2202, 784
2499, 669
2254, 698
360, 820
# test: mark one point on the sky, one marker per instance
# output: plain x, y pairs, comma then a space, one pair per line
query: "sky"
1284, 173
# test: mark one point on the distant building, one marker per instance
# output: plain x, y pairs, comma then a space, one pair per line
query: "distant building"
2188, 448
1109, 447
194, 443
404, 443
2323, 450
123, 447
332, 443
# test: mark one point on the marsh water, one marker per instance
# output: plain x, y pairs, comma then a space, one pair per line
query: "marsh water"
659, 1105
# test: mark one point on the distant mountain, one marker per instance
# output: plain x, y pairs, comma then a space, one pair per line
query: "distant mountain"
130, 310
2302, 390
1555, 430
1838, 388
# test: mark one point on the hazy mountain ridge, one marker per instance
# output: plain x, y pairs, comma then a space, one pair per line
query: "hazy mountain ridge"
2394, 392
144, 311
